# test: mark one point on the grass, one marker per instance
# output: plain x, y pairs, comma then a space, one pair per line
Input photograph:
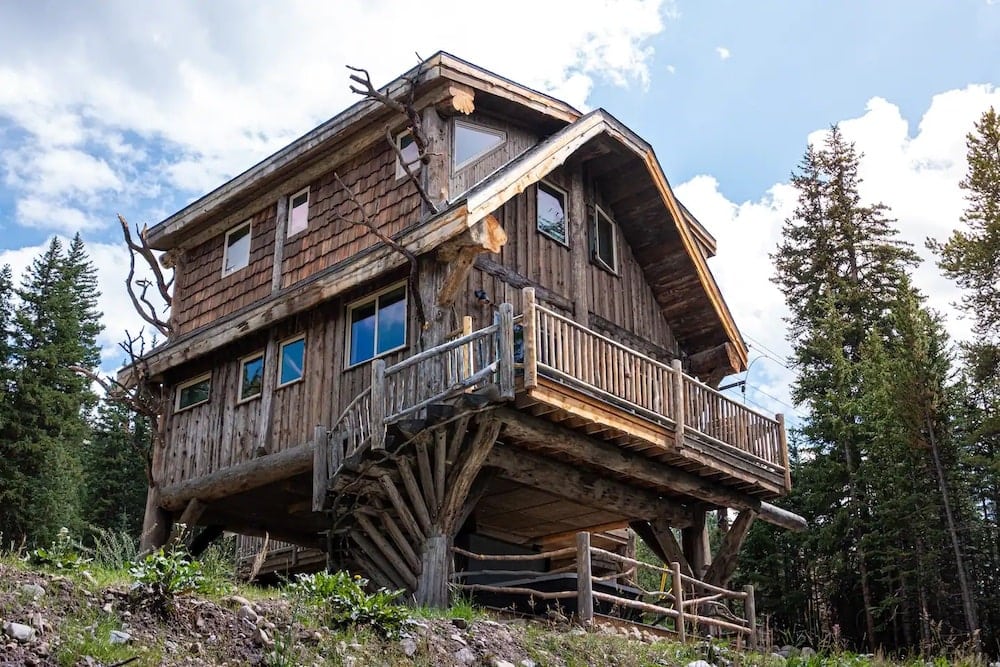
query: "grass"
89, 633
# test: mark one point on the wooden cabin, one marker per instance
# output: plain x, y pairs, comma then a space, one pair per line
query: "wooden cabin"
519, 342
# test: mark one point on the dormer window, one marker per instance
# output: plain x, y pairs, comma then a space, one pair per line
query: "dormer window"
551, 216
298, 212
237, 251
605, 242
410, 152
473, 142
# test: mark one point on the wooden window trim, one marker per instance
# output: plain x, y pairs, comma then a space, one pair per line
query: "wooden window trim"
400, 172
225, 247
459, 166
288, 215
190, 383
595, 258
281, 360
565, 197
240, 398
364, 301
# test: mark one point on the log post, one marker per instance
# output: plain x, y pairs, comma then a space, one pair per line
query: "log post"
783, 443
321, 452
505, 352
156, 524
530, 331
584, 580
750, 608
678, 590
435, 562
678, 402
378, 404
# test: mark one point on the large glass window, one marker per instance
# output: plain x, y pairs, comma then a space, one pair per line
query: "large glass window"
251, 376
292, 361
472, 142
194, 392
552, 212
237, 251
378, 325
605, 250
298, 213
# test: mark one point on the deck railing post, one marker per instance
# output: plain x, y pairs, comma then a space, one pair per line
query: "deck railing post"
505, 351
750, 608
678, 406
783, 444
378, 404
584, 580
530, 330
678, 591
321, 480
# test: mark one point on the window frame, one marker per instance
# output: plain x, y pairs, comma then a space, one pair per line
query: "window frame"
456, 166
281, 360
248, 224
400, 172
364, 301
565, 199
595, 256
198, 379
262, 355
288, 213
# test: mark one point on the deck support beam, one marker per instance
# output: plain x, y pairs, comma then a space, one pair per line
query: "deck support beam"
694, 542
724, 563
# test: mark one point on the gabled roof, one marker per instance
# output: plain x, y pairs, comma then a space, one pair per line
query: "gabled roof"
669, 244
326, 140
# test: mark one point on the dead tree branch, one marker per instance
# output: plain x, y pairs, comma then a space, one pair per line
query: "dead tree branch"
367, 222
414, 125
140, 301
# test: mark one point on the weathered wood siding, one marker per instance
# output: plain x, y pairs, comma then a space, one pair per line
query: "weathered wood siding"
203, 294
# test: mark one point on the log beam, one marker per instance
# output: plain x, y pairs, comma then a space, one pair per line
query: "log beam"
714, 364
724, 563
485, 236
590, 488
519, 425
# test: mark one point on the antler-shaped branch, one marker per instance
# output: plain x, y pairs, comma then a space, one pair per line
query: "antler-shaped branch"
369, 224
140, 301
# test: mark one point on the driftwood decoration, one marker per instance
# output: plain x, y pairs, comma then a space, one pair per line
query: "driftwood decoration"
143, 306
367, 221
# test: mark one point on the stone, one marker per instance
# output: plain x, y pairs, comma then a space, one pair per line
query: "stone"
807, 652
464, 656
699, 663
460, 623
247, 614
33, 591
527, 662
238, 601
458, 638
261, 638
19, 631
409, 646
119, 637
778, 658
502, 663
88, 577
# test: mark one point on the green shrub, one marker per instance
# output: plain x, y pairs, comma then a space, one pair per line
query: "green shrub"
62, 554
344, 603
162, 575
113, 549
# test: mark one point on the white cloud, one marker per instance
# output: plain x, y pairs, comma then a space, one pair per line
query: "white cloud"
723, 53
916, 175
671, 69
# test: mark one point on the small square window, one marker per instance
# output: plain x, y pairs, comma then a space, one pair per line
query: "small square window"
410, 151
291, 365
237, 251
552, 212
194, 392
378, 325
605, 249
298, 213
472, 142
251, 376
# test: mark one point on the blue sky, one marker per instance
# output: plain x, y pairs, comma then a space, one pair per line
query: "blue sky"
139, 108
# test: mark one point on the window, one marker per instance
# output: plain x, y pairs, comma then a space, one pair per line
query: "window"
194, 392
605, 251
237, 251
292, 361
298, 213
410, 152
251, 376
552, 212
473, 142
378, 325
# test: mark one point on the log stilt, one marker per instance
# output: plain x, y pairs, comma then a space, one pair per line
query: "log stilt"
435, 569
156, 523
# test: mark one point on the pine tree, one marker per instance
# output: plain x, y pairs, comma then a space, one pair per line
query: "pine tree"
114, 471
840, 264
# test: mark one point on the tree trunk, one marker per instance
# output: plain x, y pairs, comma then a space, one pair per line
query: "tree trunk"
866, 592
435, 569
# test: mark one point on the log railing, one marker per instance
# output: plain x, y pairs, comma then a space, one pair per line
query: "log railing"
687, 603
558, 347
